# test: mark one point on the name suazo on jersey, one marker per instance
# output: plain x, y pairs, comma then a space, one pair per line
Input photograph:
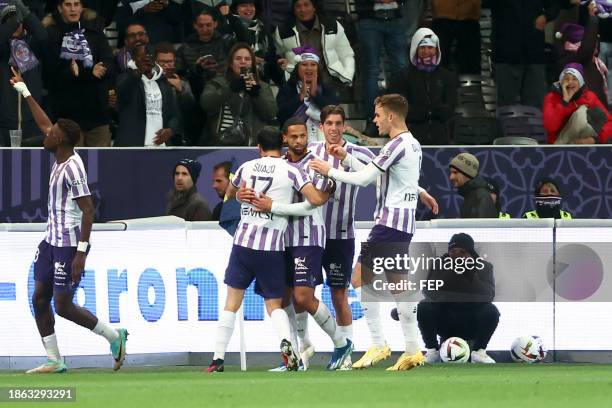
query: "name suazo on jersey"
397, 190
274, 177
339, 211
68, 181
308, 230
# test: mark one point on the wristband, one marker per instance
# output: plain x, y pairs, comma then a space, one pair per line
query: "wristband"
22, 88
82, 246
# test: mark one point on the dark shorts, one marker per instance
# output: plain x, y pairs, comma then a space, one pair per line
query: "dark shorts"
338, 262
304, 266
385, 242
53, 266
267, 268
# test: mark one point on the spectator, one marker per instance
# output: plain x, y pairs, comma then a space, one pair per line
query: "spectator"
431, 90
494, 192
78, 70
473, 188
572, 112
184, 201
459, 20
305, 94
379, 25
105, 11
463, 306
165, 57
237, 103
548, 201
578, 45
326, 36
135, 33
260, 40
229, 26
22, 39
518, 50
161, 18
275, 13
221, 178
146, 103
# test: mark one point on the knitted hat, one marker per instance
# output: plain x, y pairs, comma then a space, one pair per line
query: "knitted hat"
464, 241
465, 163
570, 32
192, 166
574, 69
545, 180
305, 53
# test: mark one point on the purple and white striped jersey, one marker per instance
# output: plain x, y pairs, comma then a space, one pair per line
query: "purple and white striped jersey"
309, 230
68, 181
274, 177
397, 188
339, 211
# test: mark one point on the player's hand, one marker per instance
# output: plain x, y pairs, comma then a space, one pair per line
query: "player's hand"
282, 63
245, 194
78, 266
99, 70
429, 201
262, 203
320, 166
176, 83
162, 136
337, 151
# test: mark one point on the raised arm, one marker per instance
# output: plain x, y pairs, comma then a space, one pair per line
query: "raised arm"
40, 117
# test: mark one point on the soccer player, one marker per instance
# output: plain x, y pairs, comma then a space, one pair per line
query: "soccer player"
305, 242
60, 259
396, 170
258, 252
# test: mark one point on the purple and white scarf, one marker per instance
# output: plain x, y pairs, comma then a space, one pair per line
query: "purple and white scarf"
22, 56
75, 46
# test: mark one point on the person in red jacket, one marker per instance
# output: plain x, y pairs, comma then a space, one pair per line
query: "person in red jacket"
573, 113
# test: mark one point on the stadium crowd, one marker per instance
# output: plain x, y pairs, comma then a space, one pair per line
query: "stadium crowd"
210, 72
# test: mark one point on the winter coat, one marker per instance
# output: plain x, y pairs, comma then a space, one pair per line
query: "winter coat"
275, 13
131, 106
477, 202
288, 99
556, 112
83, 99
337, 52
258, 109
193, 207
431, 96
165, 25
35, 38
457, 10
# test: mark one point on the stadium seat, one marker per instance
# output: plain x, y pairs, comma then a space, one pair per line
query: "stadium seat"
522, 121
476, 130
515, 140
514, 111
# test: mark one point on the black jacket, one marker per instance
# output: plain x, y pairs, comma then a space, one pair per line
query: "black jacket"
35, 38
432, 97
190, 207
83, 99
132, 110
365, 8
475, 284
477, 202
165, 25
288, 100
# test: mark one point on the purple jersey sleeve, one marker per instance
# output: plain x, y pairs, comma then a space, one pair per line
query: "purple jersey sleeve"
298, 177
390, 154
362, 154
76, 180
238, 177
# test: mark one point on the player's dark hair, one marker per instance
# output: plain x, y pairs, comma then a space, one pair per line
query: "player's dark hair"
292, 121
226, 166
332, 110
71, 129
395, 103
270, 138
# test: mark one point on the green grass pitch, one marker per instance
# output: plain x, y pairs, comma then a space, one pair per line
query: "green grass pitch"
458, 386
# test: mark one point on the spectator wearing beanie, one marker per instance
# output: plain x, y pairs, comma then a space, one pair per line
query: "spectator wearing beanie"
430, 89
477, 202
578, 45
184, 201
548, 201
574, 113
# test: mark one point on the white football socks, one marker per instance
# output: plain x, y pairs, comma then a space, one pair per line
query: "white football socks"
225, 328
406, 312
50, 344
371, 311
106, 331
301, 320
292, 325
347, 331
325, 320
281, 323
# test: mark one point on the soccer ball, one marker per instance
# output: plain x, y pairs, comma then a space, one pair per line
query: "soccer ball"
528, 349
454, 350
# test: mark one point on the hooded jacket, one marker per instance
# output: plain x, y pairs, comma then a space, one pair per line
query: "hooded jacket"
477, 202
132, 110
337, 52
83, 99
432, 96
